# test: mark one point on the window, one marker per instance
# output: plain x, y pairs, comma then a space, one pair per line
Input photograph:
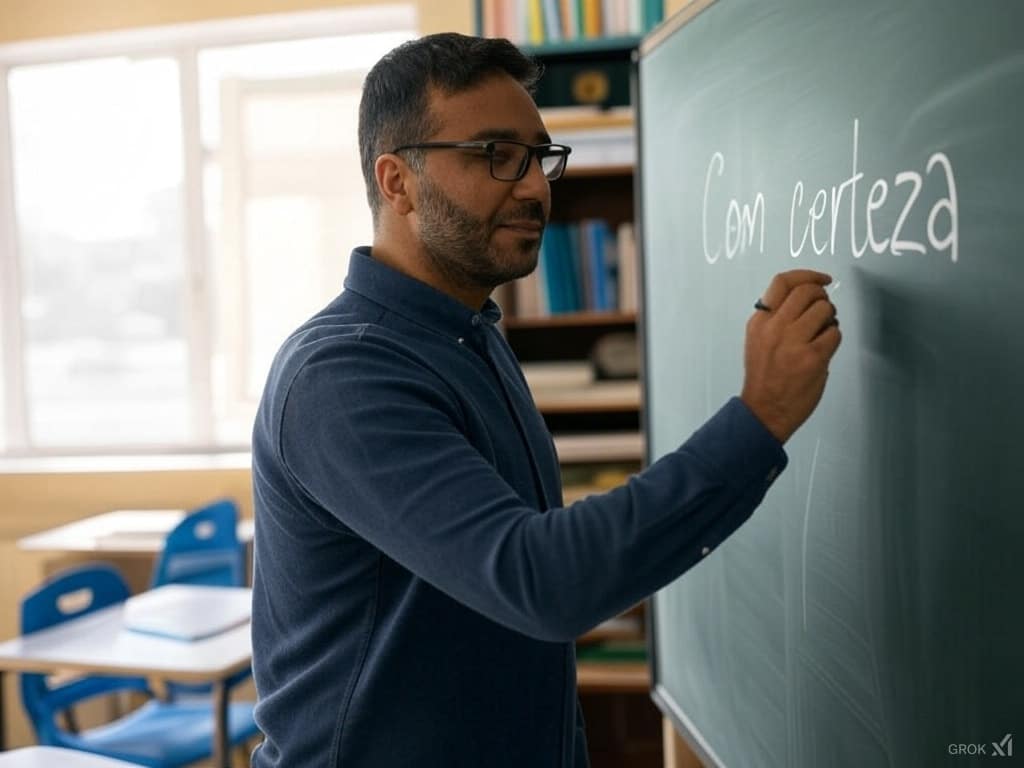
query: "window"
176, 211
97, 160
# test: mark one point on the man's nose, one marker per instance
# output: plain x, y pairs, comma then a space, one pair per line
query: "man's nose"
534, 185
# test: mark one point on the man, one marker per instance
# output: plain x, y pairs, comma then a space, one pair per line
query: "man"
418, 582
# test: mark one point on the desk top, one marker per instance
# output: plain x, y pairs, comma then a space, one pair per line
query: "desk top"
100, 642
127, 531
51, 757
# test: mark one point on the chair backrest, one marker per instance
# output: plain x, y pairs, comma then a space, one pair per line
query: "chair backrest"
203, 549
68, 595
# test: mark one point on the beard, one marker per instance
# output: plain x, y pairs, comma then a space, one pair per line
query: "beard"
460, 245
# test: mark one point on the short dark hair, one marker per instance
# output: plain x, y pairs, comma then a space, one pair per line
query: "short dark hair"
394, 106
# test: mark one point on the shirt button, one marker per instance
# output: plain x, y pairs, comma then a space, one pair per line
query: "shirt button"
476, 320
461, 340
705, 552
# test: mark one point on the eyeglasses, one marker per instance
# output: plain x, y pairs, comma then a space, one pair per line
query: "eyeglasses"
510, 160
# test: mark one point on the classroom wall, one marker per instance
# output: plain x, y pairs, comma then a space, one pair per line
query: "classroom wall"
27, 19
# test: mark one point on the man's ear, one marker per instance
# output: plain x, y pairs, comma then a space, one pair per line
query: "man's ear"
394, 179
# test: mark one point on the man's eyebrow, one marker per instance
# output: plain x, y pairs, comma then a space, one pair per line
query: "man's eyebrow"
496, 134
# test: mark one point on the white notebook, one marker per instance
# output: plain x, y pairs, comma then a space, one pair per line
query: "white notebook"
188, 612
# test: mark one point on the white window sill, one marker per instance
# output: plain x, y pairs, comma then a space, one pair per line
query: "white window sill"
177, 462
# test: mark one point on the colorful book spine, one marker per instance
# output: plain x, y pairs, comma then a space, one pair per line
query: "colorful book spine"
535, 21
543, 21
592, 18
552, 21
570, 25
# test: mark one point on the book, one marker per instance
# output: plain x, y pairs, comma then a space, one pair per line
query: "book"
528, 295
552, 21
610, 144
621, 394
187, 613
628, 287
557, 374
535, 21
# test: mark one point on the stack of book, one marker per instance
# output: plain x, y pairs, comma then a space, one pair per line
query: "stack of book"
584, 267
547, 21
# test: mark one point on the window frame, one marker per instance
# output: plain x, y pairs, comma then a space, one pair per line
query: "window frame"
183, 43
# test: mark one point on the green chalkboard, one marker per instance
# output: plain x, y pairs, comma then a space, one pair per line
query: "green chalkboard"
870, 613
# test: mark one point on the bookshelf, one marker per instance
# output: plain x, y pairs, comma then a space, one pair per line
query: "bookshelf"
586, 46
593, 414
584, 291
573, 323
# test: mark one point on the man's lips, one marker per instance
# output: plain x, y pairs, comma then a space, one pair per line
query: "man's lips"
527, 226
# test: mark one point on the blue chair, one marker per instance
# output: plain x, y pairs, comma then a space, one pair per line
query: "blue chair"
203, 549
158, 734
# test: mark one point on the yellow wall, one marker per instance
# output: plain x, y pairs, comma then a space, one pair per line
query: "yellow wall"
26, 19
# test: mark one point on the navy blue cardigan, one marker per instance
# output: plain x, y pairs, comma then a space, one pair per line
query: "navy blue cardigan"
418, 581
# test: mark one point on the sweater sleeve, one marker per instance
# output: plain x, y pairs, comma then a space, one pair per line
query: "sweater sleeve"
379, 443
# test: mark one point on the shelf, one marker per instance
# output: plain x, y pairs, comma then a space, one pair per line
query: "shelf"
613, 677
573, 120
600, 446
599, 396
582, 47
597, 171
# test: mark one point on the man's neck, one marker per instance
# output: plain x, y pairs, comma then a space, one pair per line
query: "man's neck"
410, 259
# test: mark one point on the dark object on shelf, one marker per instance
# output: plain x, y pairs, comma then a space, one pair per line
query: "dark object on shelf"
615, 356
595, 75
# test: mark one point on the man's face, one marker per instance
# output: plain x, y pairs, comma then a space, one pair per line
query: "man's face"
479, 232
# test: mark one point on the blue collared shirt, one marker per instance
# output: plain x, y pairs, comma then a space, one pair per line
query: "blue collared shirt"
418, 582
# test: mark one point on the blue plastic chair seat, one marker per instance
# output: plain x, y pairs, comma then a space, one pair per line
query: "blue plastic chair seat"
159, 735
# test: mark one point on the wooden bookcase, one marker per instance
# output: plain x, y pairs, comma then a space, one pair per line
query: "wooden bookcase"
597, 423
597, 429
600, 442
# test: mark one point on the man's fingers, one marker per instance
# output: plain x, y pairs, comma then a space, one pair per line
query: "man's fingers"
784, 282
820, 314
799, 300
827, 342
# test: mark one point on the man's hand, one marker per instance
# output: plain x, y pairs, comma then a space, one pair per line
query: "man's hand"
788, 348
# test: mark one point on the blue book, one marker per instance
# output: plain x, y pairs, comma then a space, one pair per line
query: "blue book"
573, 268
559, 268
654, 11
595, 234
549, 269
611, 264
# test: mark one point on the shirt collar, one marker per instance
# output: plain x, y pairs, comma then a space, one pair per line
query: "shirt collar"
415, 300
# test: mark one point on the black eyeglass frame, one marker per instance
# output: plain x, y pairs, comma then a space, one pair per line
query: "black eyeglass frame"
540, 151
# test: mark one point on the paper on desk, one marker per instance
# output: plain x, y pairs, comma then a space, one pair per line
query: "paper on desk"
188, 612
